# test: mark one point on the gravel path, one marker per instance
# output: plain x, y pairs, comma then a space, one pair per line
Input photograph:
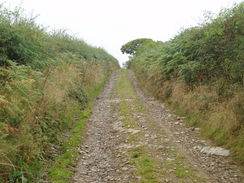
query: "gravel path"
98, 157
134, 138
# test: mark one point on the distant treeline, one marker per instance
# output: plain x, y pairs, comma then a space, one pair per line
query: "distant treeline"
46, 80
200, 73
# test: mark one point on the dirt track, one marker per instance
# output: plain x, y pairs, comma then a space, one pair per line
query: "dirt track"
134, 138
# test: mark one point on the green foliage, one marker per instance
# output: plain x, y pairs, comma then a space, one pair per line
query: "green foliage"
20, 38
17, 177
59, 171
201, 72
26, 43
61, 42
132, 46
79, 95
20, 82
199, 54
46, 80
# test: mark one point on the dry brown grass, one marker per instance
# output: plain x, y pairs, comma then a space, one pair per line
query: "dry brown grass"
194, 101
44, 116
228, 115
59, 81
94, 78
221, 119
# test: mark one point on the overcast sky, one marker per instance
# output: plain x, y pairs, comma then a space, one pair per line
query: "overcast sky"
112, 23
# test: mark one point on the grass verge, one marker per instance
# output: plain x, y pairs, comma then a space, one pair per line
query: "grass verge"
61, 169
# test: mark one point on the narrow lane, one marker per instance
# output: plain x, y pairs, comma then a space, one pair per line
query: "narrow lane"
133, 138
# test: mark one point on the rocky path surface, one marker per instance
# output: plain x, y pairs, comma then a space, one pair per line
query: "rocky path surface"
133, 138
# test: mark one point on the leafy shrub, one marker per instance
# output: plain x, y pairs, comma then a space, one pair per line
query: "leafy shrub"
43, 89
197, 55
201, 73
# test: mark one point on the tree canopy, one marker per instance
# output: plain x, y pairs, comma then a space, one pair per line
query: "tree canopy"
132, 46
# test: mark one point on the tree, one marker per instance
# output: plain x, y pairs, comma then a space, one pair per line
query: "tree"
132, 46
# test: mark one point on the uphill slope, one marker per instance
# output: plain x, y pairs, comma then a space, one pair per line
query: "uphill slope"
135, 138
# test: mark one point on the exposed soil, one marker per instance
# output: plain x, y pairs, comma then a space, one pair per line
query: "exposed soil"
134, 138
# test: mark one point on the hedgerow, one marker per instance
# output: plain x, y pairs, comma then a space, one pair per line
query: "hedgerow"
201, 73
46, 80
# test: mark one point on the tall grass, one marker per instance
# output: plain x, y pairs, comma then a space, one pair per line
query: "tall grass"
200, 72
46, 79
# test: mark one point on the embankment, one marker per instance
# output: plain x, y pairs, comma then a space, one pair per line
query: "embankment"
200, 74
47, 79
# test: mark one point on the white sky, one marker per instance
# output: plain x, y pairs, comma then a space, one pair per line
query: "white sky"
112, 23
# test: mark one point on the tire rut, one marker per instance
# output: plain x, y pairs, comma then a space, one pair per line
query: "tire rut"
106, 152
99, 161
217, 168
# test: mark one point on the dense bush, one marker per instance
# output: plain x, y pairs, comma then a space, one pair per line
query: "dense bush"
199, 71
46, 80
24, 42
206, 53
